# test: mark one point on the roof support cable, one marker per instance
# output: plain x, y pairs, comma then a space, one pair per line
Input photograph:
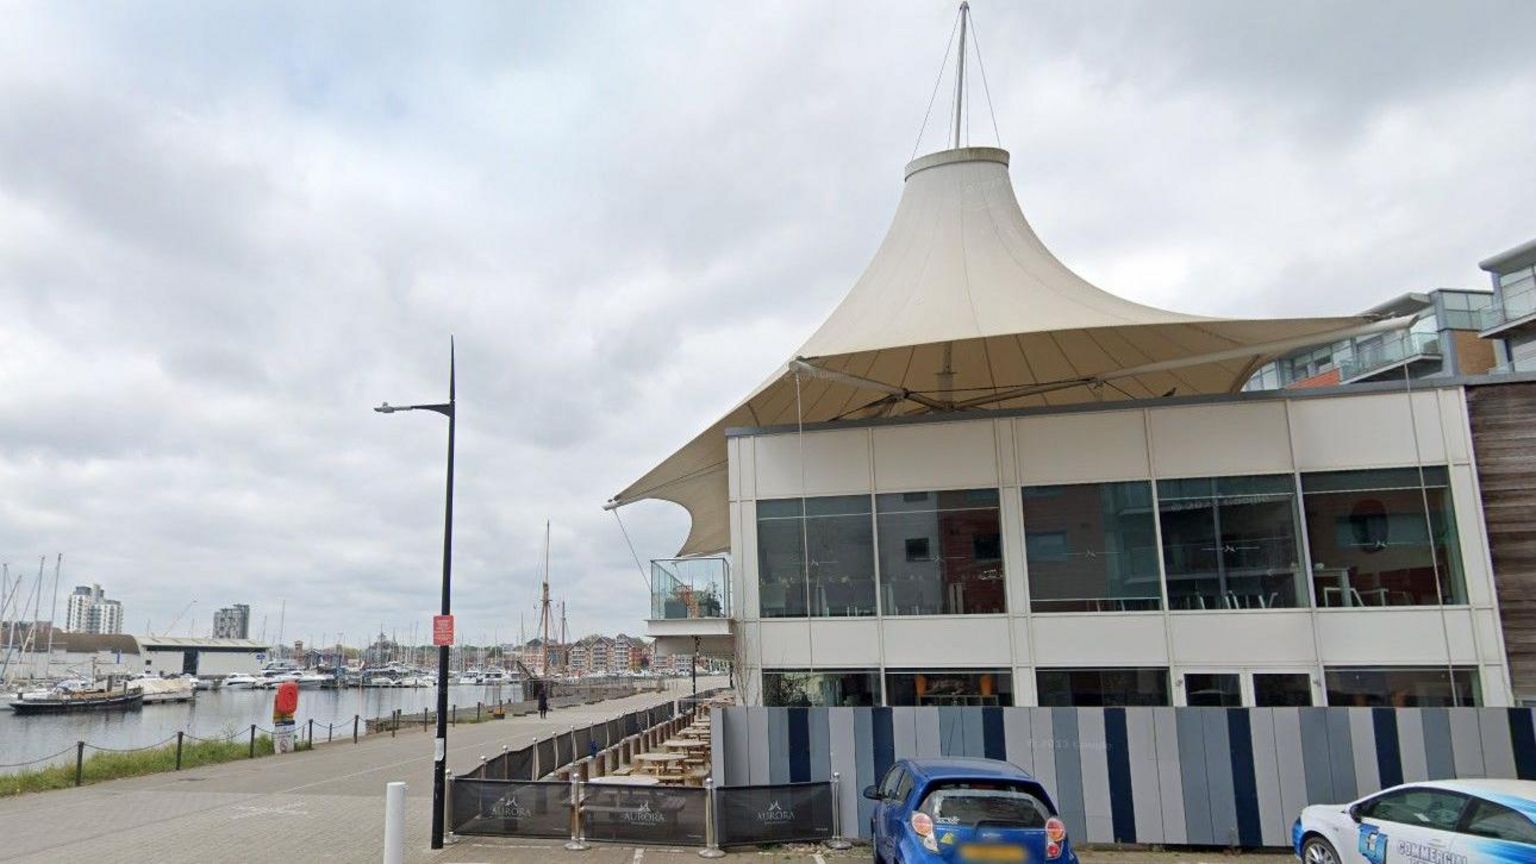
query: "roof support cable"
1429, 533
948, 44
984, 88
644, 577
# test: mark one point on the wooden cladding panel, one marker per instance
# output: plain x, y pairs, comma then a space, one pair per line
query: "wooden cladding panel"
1503, 418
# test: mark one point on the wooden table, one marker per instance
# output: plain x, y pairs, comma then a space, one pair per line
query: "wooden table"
657, 761
684, 743
625, 780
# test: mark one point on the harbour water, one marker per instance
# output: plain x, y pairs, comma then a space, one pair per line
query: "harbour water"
216, 714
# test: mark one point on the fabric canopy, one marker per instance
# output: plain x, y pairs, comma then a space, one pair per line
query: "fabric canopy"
963, 309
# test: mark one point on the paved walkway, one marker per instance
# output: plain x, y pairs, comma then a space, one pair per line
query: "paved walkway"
325, 806
480, 850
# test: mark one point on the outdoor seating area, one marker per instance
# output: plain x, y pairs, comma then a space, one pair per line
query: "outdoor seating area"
674, 752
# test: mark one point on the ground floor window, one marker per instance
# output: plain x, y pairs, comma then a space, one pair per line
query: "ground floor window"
1096, 688
1282, 689
949, 687
1213, 689
845, 688
1403, 686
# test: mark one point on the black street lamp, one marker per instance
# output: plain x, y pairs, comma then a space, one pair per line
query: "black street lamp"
440, 750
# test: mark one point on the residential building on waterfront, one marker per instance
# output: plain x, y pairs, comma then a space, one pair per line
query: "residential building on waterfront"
232, 622
1439, 338
89, 611
985, 481
1510, 322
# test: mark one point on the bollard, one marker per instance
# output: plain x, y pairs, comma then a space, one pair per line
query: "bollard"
505, 763
311, 733
425, 723
179, 736
448, 803
330, 732
577, 843
79, 761
355, 718
253, 741
535, 770
453, 716
394, 823
838, 841
711, 839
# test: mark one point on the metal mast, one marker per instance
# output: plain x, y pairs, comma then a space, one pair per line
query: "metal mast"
965, 17
544, 610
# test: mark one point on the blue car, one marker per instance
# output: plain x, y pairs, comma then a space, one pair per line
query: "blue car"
965, 810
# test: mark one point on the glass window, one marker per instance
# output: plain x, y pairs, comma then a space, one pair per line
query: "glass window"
949, 687
802, 688
1402, 687
1423, 808
998, 803
1096, 688
1213, 690
1091, 548
891, 781
960, 570
1231, 543
1487, 819
840, 563
1374, 544
1282, 689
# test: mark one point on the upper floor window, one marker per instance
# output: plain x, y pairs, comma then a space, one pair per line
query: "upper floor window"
1231, 542
816, 559
1380, 538
941, 553
1091, 547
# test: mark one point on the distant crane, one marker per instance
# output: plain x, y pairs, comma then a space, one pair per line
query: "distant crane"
171, 628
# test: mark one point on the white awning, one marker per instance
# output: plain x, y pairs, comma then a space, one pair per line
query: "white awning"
964, 309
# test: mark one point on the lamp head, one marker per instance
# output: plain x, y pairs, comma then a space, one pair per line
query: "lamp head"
386, 408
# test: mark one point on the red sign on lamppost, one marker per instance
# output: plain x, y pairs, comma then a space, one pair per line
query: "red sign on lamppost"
442, 630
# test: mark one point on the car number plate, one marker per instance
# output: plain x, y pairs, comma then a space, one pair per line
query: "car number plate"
973, 852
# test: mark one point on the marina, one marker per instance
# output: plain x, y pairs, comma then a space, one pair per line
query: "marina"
213, 714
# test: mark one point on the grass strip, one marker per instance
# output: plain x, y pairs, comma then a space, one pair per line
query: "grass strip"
110, 765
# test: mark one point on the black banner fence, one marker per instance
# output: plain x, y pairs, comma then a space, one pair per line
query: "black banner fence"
778, 813
664, 815
563, 751
583, 738
546, 749
510, 807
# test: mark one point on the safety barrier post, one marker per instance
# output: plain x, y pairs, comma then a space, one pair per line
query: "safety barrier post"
394, 823
425, 722
535, 771
253, 741
330, 732
711, 839
838, 841
448, 802
578, 842
506, 766
179, 736
311, 733
355, 718
79, 761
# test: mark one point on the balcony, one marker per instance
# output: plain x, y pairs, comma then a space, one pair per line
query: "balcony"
691, 599
1515, 310
1398, 350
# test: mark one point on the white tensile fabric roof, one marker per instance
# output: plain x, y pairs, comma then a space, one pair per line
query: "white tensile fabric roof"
964, 309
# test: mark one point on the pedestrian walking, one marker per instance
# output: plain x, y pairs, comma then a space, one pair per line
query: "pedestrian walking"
543, 702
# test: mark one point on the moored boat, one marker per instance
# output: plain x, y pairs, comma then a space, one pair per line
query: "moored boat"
64, 701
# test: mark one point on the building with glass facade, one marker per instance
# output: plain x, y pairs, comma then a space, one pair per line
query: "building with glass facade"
984, 481
1440, 339
1510, 321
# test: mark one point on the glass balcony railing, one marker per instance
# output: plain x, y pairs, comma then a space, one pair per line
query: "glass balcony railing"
690, 588
1394, 349
1513, 306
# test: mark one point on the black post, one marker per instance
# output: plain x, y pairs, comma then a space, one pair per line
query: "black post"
354, 728
455, 715
426, 720
179, 735
330, 732
253, 741
79, 761
694, 664
440, 748
311, 733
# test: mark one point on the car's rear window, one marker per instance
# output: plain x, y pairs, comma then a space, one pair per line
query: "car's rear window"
967, 805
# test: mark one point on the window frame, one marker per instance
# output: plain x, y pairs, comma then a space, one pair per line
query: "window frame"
1364, 808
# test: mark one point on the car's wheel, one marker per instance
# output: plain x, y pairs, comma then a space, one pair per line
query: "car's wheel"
1316, 850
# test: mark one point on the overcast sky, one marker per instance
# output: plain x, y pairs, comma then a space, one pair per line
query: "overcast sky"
229, 230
